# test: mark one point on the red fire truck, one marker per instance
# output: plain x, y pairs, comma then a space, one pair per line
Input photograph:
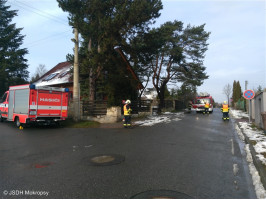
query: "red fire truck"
25, 104
199, 103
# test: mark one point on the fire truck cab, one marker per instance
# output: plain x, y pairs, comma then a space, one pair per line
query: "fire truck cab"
24, 104
199, 102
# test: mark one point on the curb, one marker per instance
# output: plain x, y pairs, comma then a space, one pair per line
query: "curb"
257, 163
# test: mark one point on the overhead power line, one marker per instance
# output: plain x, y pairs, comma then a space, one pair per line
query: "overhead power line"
45, 13
39, 12
37, 42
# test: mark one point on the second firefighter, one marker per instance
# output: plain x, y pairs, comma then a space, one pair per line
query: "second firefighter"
127, 114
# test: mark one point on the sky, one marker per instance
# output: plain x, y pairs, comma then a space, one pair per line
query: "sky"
237, 43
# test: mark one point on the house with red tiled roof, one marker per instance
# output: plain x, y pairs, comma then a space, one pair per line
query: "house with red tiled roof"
61, 75
58, 76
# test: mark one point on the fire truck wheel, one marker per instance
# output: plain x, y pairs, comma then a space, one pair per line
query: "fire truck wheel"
1, 118
17, 122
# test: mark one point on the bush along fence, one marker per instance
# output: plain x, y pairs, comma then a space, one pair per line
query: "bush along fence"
240, 104
98, 110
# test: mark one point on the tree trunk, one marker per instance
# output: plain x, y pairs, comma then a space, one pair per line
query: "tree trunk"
92, 86
161, 97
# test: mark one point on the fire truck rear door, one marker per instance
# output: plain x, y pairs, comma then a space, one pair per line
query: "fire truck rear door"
49, 103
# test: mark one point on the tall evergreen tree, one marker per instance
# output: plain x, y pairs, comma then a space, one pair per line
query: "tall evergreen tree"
234, 93
238, 91
13, 65
103, 26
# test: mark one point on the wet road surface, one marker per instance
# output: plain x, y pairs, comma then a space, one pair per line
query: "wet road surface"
196, 157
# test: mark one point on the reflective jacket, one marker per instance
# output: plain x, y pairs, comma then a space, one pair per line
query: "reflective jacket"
207, 105
127, 109
225, 108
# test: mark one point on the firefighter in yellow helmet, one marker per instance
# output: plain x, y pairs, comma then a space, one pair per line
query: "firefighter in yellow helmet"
189, 106
206, 107
127, 114
225, 109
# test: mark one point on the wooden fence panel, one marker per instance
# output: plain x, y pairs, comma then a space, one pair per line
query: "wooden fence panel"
94, 108
168, 104
179, 105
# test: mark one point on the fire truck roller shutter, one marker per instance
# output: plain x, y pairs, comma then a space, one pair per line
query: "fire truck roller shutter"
21, 105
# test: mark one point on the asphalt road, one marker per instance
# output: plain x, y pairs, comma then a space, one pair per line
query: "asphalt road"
199, 156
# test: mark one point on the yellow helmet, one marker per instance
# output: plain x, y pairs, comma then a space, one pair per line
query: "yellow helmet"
225, 102
128, 101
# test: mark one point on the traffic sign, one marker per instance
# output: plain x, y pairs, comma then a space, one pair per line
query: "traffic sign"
249, 94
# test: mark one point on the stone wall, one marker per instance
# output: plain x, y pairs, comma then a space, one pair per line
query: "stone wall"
113, 115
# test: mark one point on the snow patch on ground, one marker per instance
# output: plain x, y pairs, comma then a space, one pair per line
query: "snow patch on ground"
240, 134
259, 189
152, 120
258, 137
165, 118
238, 114
260, 147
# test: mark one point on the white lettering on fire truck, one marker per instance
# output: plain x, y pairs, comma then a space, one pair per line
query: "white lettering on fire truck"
49, 100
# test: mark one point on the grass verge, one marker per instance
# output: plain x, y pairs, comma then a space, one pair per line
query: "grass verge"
80, 124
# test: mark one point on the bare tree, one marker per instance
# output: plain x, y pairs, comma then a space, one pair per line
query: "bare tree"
40, 70
227, 91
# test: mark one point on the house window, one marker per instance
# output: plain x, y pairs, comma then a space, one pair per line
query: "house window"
50, 77
63, 74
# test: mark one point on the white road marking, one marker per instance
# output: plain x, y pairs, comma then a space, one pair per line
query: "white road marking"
235, 169
233, 148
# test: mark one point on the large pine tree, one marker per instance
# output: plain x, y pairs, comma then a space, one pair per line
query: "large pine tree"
104, 25
176, 54
13, 65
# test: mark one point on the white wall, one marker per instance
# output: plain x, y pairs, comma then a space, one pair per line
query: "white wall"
260, 106
252, 115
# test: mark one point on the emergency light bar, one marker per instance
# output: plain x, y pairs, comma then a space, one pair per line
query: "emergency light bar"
32, 86
51, 88
203, 94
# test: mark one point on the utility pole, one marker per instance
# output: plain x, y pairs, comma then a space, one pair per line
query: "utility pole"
247, 101
76, 97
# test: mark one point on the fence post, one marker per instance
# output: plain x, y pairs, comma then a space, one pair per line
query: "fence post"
81, 113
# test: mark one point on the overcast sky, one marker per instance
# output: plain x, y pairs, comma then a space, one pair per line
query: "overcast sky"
237, 44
